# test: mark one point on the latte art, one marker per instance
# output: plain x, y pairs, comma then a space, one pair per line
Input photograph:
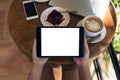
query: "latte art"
92, 25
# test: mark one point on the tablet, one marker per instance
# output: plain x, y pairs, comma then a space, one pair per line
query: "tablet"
60, 41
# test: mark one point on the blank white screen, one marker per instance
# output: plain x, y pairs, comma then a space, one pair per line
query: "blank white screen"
60, 41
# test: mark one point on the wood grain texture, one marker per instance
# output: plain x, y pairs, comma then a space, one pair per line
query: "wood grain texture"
15, 77
23, 32
13, 63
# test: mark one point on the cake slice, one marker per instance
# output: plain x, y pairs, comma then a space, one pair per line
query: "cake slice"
55, 17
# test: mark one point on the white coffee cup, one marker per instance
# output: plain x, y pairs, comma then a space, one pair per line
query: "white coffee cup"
93, 25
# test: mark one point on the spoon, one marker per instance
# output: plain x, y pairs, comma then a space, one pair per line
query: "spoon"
94, 38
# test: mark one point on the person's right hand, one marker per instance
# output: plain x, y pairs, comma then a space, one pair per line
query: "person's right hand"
36, 60
83, 60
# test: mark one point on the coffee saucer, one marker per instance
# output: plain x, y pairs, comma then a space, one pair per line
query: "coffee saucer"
103, 34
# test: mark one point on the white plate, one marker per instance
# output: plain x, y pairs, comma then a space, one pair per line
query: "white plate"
41, 0
103, 34
46, 12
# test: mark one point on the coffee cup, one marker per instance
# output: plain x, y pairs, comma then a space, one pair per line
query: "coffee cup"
93, 25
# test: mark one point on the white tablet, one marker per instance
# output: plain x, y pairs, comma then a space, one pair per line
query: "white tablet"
60, 41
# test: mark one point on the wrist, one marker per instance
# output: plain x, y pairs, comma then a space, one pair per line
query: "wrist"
82, 65
36, 65
84, 72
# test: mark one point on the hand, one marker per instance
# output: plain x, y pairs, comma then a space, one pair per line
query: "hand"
37, 61
83, 60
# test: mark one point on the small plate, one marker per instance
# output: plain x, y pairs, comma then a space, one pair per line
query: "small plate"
47, 11
103, 34
41, 0
79, 23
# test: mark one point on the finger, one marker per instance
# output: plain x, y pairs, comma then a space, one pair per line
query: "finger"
34, 49
86, 48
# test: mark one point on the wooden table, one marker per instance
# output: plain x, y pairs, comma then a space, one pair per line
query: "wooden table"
23, 32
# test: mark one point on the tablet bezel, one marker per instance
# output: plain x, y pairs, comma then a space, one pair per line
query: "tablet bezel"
81, 41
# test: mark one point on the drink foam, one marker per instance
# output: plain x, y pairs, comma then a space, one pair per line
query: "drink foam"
92, 25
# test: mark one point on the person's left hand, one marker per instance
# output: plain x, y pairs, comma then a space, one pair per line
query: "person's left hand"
37, 60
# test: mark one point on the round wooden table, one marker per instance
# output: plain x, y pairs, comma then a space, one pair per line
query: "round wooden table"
23, 32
